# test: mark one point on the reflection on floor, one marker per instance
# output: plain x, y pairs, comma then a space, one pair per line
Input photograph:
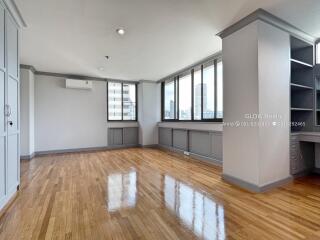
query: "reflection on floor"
198, 212
122, 191
151, 194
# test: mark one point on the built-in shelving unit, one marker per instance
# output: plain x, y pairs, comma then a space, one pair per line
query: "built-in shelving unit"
317, 86
302, 85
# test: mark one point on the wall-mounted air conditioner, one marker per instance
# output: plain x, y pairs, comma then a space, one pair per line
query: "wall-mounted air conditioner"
78, 84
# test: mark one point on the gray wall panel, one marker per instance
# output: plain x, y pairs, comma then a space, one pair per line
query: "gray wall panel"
131, 136
115, 136
180, 139
165, 136
217, 150
200, 143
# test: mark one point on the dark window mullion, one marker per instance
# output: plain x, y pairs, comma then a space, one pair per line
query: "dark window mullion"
136, 103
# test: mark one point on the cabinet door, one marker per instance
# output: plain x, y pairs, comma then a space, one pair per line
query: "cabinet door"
2, 38
130, 136
115, 136
12, 46
200, 143
13, 136
165, 136
2, 138
180, 139
217, 148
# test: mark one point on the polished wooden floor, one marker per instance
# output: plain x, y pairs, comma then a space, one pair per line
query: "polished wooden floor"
151, 194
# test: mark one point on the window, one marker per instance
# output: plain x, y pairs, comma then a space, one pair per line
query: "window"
318, 53
195, 95
122, 101
169, 104
185, 100
219, 90
208, 92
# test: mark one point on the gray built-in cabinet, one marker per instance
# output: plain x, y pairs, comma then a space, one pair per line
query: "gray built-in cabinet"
305, 82
9, 107
125, 136
204, 145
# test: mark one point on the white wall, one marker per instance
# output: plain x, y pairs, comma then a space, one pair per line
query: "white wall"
149, 112
69, 118
27, 112
274, 89
256, 81
240, 91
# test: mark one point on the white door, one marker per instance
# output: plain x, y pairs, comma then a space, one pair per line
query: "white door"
12, 121
3, 138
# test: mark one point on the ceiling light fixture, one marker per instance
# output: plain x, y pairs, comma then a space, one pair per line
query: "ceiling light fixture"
121, 31
100, 68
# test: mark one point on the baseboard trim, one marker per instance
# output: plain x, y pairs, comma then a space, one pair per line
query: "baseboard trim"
6, 206
149, 146
255, 188
27, 157
76, 150
205, 159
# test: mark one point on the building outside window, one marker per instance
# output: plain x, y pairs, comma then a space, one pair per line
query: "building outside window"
122, 101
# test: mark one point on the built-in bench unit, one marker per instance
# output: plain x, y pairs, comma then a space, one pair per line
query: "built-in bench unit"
123, 136
203, 145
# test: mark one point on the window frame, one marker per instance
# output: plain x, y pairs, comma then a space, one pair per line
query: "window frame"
136, 107
191, 70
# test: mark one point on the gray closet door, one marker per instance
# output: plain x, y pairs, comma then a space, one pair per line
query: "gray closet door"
2, 138
2, 109
12, 101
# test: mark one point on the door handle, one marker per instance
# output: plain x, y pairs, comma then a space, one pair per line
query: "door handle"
10, 123
7, 112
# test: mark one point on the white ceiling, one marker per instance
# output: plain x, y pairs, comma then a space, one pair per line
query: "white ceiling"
163, 36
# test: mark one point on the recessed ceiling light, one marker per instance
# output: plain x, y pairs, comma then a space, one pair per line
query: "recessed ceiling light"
121, 31
101, 68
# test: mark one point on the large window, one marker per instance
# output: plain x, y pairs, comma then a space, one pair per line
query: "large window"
122, 101
195, 95
185, 102
318, 53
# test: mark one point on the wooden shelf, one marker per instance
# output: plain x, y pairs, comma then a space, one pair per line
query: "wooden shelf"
295, 86
296, 64
302, 109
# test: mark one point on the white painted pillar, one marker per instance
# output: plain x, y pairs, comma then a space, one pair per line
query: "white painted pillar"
256, 61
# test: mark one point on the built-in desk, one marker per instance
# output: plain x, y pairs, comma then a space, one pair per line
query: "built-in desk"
304, 152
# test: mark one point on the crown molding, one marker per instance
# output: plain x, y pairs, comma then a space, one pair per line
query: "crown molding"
263, 15
15, 12
75, 76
